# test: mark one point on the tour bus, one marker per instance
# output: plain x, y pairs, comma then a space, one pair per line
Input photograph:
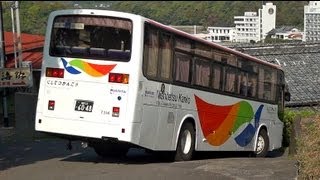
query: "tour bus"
115, 80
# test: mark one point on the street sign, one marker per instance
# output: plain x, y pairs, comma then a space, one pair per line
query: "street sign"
15, 77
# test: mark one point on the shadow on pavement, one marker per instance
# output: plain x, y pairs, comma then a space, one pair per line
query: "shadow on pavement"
17, 152
134, 156
140, 156
232, 154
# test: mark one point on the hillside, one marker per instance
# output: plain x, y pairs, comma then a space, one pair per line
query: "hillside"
207, 13
34, 14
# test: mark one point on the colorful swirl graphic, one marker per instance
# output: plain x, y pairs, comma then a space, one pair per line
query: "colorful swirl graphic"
218, 123
95, 70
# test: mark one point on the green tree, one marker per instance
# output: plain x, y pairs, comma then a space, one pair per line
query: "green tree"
33, 15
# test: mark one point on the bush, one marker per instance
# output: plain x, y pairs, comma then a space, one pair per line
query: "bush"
287, 124
288, 119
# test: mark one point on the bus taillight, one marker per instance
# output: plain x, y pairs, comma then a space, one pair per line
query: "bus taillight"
54, 72
119, 78
115, 111
51, 105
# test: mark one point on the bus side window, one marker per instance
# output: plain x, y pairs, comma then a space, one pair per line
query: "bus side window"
273, 85
216, 80
230, 79
202, 73
166, 56
252, 85
182, 67
151, 49
243, 86
267, 82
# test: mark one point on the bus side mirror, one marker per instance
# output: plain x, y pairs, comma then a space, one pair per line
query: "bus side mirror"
287, 96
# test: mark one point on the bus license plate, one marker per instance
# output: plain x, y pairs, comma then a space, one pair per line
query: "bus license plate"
85, 106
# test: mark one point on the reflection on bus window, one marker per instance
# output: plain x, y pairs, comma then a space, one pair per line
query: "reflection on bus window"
171, 58
182, 64
151, 52
91, 37
216, 81
252, 84
243, 86
202, 74
230, 79
166, 56
203, 50
183, 44
267, 84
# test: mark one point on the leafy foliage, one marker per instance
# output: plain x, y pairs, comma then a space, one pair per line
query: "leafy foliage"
210, 13
34, 14
289, 116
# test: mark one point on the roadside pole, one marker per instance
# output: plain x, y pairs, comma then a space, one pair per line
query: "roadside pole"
2, 65
18, 33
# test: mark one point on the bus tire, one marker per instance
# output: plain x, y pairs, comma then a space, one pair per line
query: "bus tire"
186, 143
262, 146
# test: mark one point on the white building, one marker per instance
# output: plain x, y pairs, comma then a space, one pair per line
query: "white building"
247, 27
286, 33
267, 19
312, 21
253, 26
221, 34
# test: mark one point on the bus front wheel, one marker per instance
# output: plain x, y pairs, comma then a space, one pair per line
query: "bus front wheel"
262, 144
186, 143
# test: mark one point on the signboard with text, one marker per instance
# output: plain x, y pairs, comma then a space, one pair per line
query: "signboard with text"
15, 77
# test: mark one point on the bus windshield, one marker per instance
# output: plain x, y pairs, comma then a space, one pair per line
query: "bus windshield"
92, 37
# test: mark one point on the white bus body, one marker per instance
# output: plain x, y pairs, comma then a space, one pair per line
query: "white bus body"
86, 105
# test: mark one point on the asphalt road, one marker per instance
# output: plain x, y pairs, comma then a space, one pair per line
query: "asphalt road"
48, 159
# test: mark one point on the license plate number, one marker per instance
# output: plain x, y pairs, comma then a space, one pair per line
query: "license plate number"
84, 106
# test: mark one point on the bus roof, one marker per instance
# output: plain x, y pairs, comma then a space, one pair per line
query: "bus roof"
171, 29
212, 44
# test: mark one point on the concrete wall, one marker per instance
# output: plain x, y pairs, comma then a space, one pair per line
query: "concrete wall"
25, 108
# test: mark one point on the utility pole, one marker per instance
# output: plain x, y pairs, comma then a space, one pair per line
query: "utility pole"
2, 65
15, 18
18, 33
14, 34
2, 60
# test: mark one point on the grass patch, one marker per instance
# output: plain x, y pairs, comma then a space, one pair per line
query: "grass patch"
308, 150
308, 141
289, 116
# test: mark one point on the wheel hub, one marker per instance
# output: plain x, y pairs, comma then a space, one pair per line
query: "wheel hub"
260, 144
186, 142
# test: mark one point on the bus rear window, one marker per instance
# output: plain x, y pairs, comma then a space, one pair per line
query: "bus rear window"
91, 37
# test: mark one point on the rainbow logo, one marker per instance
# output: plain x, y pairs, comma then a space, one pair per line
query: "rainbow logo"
95, 70
218, 123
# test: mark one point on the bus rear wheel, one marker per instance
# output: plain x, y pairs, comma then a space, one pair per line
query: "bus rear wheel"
262, 144
186, 143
